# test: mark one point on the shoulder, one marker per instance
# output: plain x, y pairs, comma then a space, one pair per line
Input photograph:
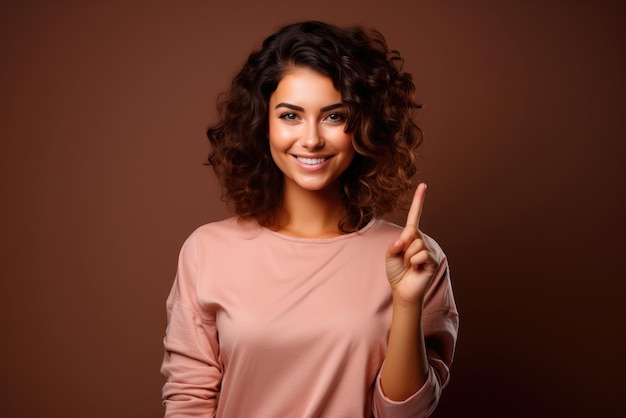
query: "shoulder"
379, 228
221, 233
227, 228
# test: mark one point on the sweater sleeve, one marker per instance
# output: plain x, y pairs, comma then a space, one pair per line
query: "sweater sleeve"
440, 322
190, 364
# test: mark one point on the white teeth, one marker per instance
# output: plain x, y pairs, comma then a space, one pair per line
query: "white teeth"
311, 161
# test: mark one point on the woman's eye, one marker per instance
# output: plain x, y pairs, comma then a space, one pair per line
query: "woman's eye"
335, 117
288, 116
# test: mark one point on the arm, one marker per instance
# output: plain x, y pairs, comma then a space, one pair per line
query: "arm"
424, 323
406, 366
190, 364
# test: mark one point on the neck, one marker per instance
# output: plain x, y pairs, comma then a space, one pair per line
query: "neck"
311, 214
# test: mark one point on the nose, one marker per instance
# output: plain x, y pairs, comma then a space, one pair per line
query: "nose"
312, 137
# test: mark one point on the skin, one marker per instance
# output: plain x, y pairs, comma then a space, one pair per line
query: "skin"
411, 266
305, 120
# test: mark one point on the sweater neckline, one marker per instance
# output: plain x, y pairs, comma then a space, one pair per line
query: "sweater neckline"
342, 237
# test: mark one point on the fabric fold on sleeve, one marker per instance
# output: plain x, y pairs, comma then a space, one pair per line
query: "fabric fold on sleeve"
421, 404
190, 364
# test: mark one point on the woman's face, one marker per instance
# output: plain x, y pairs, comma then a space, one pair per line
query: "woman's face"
306, 130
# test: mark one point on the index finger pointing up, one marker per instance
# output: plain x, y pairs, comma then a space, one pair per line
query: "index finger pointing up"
415, 211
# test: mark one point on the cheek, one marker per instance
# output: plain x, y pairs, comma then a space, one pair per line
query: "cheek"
278, 143
345, 147
279, 136
344, 143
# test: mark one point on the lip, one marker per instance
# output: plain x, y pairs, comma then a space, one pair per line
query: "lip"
311, 167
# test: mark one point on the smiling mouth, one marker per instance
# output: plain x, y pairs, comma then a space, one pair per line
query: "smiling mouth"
311, 161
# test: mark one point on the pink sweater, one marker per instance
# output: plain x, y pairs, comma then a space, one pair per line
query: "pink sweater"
265, 325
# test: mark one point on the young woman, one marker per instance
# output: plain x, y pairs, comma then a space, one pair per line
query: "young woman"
307, 303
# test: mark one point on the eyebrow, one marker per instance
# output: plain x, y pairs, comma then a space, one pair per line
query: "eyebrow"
301, 109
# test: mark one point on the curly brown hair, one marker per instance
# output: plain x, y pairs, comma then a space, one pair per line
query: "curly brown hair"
379, 100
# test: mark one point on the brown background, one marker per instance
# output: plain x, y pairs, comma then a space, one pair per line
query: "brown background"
102, 119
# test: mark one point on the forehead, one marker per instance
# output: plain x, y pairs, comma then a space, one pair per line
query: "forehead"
304, 84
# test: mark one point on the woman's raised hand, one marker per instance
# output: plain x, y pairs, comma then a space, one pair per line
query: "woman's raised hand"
411, 264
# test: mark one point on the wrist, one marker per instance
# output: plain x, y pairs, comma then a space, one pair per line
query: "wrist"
402, 305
